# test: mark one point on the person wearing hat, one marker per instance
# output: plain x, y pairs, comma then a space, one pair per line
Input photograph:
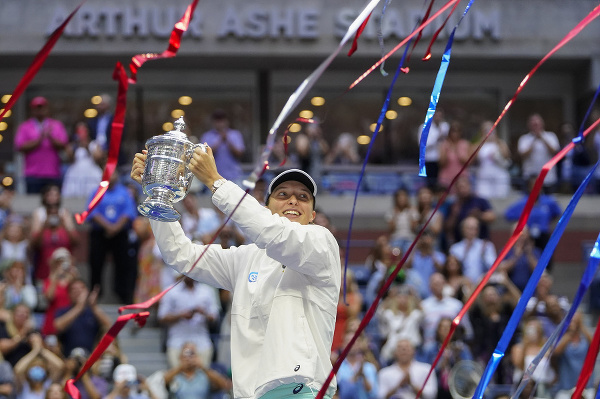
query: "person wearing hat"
41, 139
285, 284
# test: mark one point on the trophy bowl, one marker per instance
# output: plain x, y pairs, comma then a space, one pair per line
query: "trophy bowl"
167, 178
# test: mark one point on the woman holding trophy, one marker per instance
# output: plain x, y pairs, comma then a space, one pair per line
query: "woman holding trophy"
285, 285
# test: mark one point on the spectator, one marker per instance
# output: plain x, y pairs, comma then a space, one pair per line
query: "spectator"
577, 163
80, 323
455, 351
523, 353
260, 190
112, 232
540, 221
198, 223
457, 284
467, 203
344, 152
56, 391
357, 377
475, 254
90, 386
437, 306
6, 197
348, 309
537, 304
193, 379
17, 291
454, 153
553, 315
8, 387
379, 263
55, 289
111, 358
536, 148
128, 384
82, 177
438, 132
312, 148
187, 311
521, 260
15, 334
41, 139
399, 318
570, 354
425, 260
37, 370
15, 245
489, 316
405, 378
52, 227
402, 220
227, 145
425, 209
150, 263
100, 126
492, 179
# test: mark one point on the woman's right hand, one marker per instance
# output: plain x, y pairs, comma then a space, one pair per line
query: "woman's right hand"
138, 166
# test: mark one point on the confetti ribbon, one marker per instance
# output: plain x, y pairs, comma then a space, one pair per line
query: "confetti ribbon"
118, 123
359, 32
37, 63
301, 92
402, 43
529, 290
437, 88
559, 331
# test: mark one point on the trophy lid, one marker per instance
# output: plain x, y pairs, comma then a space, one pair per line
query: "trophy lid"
176, 134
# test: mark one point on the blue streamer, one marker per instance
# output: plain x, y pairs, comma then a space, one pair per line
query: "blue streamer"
435, 94
559, 331
529, 290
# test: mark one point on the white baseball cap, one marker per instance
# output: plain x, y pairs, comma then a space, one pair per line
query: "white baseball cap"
124, 372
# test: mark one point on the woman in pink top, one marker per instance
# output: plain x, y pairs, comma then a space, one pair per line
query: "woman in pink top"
454, 153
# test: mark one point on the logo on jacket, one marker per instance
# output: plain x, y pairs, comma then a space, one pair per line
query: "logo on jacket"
298, 388
252, 277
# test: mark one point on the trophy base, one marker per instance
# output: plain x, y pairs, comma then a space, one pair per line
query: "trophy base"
158, 210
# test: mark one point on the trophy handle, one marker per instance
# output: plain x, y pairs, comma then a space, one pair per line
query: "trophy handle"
189, 175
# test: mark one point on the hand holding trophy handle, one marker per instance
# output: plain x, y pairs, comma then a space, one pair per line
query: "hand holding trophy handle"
166, 177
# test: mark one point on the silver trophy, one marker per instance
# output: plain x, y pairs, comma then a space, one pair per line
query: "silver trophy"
166, 177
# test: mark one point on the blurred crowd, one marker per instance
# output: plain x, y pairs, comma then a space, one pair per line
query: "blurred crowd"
51, 320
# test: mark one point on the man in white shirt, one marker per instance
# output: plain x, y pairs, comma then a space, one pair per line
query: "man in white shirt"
404, 378
475, 254
437, 306
536, 148
188, 311
285, 285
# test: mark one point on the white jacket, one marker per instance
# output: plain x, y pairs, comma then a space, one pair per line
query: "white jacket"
282, 319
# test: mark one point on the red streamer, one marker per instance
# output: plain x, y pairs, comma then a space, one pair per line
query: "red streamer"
359, 32
427, 55
37, 63
425, 18
119, 74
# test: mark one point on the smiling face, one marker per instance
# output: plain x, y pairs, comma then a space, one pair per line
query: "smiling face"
292, 200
